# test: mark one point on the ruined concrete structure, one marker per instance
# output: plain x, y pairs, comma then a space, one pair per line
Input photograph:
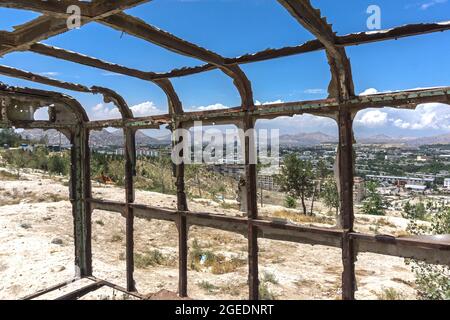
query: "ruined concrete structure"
67, 115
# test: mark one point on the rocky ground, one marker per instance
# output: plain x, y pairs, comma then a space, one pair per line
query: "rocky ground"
36, 249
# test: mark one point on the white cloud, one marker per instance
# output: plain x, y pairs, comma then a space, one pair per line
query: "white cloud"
102, 112
145, 109
429, 116
108, 111
315, 91
215, 106
431, 3
369, 92
111, 74
49, 74
259, 103
372, 118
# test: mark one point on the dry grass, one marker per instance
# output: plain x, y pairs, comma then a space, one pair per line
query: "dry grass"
265, 293
207, 286
201, 258
16, 196
301, 218
269, 277
117, 237
385, 222
152, 258
8, 176
390, 294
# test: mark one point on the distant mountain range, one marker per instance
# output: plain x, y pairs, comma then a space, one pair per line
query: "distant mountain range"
116, 138
97, 138
310, 139
307, 139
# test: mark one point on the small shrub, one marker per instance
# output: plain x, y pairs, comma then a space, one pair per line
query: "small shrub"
269, 277
150, 258
218, 263
207, 286
432, 281
265, 293
227, 205
290, 202
390, 294
300, 218
116, 237
100, 222
25, 226
5, 175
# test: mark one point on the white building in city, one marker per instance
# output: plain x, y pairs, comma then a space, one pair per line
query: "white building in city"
447, 183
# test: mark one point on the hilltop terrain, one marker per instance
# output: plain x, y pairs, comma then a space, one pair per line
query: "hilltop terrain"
36, 246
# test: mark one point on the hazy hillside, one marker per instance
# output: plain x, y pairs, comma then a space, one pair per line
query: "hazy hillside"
97, 138
307, 139
116, 138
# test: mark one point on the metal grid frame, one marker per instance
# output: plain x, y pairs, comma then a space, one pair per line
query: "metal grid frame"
67, 115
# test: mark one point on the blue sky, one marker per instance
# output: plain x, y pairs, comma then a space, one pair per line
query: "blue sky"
235, 27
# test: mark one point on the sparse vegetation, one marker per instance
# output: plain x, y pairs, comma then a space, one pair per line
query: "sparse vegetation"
264, 292
290, 202
269, 277
5, 175
207, 286
116, 237
330, 195
373, 204
285, 214
390, 294
432, 281
296, 179
414, 211
151, 258
201, 258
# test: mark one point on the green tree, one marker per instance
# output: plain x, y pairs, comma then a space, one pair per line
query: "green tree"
57, 165
296, 178
18, 159
290, 202
321, 172
432, 281
9, 137
414, 212
373, 204
330, 195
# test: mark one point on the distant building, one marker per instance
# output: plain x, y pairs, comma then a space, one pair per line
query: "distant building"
27, 147
447, 183
415, 188
423, 158
397, 180
266, 178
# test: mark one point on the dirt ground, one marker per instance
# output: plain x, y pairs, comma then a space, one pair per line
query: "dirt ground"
36, 249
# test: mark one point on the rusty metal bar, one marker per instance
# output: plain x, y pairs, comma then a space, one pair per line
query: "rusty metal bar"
182, 226
346, 176
407, 99
80, 192
16, 73
130, 172
117, 287
45, 26
49, 289
352, 39
275, 230
140, 29
252, 205
76, 294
